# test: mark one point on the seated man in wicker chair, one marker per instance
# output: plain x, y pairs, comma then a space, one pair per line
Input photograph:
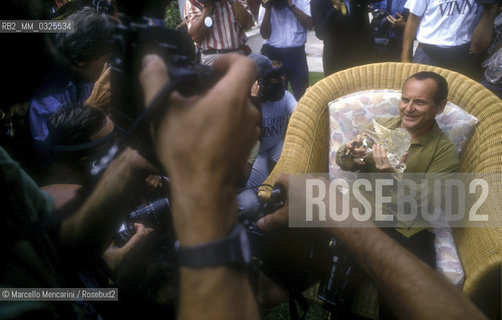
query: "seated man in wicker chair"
431, 151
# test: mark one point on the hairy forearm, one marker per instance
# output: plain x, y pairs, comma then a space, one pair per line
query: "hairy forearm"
412, 288
243, 16
410, 32
216, 293
222, 292
266, 27
91, 225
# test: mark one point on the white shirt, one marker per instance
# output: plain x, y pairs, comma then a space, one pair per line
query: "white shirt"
287, 31
275, 115
445, 23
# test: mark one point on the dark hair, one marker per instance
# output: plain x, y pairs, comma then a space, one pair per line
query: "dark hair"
90, 39
74, 125
441, 93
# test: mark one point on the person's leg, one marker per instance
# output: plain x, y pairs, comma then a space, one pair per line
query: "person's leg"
247, 200
297, 71
422, 57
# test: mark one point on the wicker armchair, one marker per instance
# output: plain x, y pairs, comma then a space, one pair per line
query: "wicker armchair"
306, 150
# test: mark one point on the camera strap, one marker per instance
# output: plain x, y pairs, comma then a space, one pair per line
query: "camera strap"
75, 147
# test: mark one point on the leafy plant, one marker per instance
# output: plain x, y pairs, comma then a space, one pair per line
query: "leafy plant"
173, 17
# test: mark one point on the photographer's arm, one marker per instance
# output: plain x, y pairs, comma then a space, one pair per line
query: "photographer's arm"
198, 29
410, 32
413, 289
266, 25
244, 16
90, 226
222, 125
483, 33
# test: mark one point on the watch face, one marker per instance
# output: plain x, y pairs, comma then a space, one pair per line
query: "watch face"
208, 22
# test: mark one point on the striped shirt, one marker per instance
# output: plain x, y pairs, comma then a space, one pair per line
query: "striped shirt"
226, 32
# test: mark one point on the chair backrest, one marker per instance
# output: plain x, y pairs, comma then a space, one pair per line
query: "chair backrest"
306, 150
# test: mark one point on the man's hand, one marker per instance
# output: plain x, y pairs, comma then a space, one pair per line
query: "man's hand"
101, 93
203, 142
337, 4
398, 23
113, 256
356, 149
381, 159
279, 218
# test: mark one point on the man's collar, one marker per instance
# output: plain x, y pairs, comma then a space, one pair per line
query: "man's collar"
422, 140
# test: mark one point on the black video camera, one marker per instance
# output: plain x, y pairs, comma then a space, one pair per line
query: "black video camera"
379, 25
271, 86
134, 38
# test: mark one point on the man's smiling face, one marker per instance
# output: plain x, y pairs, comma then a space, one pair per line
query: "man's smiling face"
418, 107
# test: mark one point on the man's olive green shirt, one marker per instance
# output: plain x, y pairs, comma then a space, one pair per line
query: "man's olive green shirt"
433, 152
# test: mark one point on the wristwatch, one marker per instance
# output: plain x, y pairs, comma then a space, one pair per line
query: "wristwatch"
208, 21
231, 250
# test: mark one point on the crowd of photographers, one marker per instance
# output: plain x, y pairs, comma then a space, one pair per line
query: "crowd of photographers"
98, 196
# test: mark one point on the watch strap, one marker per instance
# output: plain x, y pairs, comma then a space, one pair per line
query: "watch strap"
224, 251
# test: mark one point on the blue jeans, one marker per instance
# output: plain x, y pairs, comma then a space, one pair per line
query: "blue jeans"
247, 201
294, 61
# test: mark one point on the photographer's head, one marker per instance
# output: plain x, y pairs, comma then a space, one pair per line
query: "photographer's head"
88, 47
271, 87
74, 126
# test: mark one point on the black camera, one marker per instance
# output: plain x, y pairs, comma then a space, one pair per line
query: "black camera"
154, 212
271, 85
379, 25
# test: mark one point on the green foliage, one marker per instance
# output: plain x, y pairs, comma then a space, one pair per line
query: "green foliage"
173, 17
314, 77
